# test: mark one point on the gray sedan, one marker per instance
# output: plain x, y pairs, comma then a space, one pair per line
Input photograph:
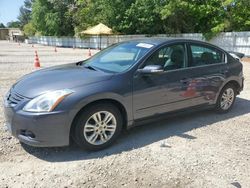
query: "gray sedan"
124, 85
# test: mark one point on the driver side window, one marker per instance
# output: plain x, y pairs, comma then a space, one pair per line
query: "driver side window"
169, 57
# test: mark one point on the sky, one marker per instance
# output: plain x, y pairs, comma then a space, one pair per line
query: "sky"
9, 10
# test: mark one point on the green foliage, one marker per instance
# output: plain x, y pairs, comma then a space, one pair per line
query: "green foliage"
238, 15
29, 29
179, 16
39, 10
25, 13
52, 18
142, 17
69, 17
188, 16
14, 24
2, 25
90, 13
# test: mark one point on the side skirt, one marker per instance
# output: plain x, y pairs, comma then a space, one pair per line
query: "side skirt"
158, 117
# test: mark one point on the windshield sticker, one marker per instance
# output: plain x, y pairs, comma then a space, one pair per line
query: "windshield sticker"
144, 45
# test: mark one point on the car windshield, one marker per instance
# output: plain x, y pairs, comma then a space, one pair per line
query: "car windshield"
119, 57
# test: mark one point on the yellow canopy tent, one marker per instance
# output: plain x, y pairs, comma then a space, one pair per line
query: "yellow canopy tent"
99, 30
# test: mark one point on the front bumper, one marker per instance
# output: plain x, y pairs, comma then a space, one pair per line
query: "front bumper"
41, 130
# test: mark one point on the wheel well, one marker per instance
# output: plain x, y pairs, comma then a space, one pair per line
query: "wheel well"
235, 84
110, 101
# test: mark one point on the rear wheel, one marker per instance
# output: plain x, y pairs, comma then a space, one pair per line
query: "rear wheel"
98, 126
226, 99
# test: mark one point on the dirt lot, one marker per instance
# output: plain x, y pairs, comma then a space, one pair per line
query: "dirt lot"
197, 150
246, 59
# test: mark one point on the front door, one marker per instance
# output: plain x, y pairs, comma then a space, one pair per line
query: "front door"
159, 93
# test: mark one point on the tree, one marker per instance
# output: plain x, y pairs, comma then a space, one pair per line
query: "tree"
238, 15
14, 24
188, 16
25, 13
142, 17
112, 15
29, 29
178, 17
39, 10
66, 17
2, 25
90, 13
87, 14
52, 17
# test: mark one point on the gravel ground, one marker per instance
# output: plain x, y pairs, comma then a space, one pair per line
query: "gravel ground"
202, 149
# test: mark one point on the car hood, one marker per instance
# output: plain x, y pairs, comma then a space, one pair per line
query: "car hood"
58, 77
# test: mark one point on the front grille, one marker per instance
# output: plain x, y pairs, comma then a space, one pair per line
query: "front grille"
14, 98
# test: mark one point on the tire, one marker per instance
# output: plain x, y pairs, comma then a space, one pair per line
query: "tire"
228, 95
97, 126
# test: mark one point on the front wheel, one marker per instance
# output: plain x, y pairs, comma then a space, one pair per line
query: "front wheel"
98, 126
226, 99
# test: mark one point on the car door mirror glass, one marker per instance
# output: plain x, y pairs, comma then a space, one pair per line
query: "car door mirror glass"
151, 69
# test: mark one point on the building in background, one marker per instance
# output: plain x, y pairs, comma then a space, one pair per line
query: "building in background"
12, 34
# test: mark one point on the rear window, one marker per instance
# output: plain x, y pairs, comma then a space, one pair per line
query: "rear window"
202, 55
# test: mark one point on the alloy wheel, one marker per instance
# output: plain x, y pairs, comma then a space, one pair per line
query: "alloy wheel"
100, 127
227, 99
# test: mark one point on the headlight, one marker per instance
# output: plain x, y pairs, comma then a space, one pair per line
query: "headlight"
47, 102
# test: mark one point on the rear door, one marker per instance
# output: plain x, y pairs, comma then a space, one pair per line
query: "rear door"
208, 71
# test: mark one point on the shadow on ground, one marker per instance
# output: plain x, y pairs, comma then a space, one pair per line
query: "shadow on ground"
144, 135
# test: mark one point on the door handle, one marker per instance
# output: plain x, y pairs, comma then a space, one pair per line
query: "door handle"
185, 80
224, 71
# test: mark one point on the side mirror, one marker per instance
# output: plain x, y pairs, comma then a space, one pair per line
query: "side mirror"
151, 69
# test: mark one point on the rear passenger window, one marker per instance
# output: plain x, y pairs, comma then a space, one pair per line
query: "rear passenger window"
202, 55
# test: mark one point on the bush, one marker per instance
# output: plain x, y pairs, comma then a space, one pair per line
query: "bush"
29, 29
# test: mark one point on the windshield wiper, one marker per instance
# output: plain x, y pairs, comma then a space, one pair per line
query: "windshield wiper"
89, 67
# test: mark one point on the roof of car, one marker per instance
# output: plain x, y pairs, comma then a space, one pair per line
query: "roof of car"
154, 41
161, 40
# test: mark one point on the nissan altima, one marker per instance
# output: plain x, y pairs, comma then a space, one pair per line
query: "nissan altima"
124, 85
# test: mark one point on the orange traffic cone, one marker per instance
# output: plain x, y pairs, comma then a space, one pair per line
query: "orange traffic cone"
55, 49
36, 61
191, 90
89, 54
